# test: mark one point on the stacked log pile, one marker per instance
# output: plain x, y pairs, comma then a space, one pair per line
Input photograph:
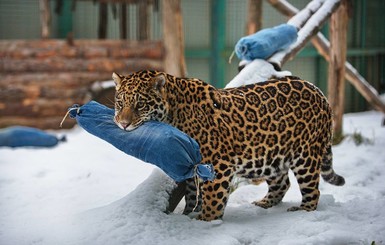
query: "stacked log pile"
40, 79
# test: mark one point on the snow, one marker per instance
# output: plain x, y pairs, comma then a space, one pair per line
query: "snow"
258, 70
316, 20
362, 80
87, 192
302, 16
102, 85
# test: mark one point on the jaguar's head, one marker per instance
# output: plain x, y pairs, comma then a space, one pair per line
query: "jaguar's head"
139, 97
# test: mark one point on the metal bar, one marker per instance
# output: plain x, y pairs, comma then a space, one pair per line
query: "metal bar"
218, 42
64, 23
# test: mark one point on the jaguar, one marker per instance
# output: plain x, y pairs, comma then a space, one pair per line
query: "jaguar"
258, 131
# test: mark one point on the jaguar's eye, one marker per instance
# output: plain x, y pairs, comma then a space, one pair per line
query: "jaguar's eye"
140, 105
119, 104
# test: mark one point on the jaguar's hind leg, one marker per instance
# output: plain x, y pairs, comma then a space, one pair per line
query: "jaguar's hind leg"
308, 177
191, 198
278, 187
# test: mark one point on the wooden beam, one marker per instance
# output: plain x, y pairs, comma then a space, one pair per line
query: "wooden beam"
173, 40
336, 72
45, 18
323, 47
143, 23
123, 21
316, 13
103, 17
254, 16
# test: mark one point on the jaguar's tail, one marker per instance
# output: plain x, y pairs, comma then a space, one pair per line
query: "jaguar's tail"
327, 171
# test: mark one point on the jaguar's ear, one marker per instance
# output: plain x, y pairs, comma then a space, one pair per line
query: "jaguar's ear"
158, 82
117, 79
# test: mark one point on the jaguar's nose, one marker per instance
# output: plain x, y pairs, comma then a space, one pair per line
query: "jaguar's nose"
124, 125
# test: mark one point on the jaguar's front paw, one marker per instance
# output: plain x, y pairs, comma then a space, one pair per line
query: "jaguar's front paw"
263, 204
304, 208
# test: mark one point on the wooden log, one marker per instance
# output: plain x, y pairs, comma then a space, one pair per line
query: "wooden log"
284, 7
174, 61
323, 47
38, 122
56, 64
45, 18
35, 74
50, 80
336, 72
40, 107
20, 49
254, 16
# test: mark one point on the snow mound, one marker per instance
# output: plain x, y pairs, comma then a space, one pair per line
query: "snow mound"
101, 196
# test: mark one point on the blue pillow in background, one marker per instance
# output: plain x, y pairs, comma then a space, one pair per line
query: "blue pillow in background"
19, 136
266, 42
160, 144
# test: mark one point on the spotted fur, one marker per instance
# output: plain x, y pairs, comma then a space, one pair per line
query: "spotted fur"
257, 131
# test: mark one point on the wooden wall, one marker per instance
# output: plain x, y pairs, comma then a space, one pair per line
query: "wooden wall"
40, 79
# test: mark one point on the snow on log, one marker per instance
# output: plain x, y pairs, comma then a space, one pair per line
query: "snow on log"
300, 19
258, 70
323, 47
311, 28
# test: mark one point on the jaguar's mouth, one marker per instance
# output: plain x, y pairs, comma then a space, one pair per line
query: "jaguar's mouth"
131, 127
127, 126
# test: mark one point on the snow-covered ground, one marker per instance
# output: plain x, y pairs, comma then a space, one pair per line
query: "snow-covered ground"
87, 192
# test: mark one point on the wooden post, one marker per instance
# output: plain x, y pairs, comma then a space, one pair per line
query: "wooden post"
123, 21
143, 27
45, 18
102, 31
174, 61
254, 16
336, 72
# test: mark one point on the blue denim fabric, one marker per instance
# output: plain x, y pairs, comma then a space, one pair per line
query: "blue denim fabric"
19, 136
264, 43
154, 142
